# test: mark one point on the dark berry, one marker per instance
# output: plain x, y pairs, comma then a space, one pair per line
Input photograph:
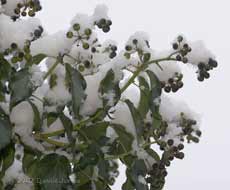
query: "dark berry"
180, 38
200, 78
185, 60
14, 46
179, 155
170, 142
135, 41
76, 27
128, 48
180, 146
87, 64
175, 46
167, 89
88, 32
93, 49
106, 29
112, 55
178, 58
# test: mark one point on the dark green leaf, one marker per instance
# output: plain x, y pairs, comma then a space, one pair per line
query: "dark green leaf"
5, 132
37, 59
21, 87
6, 158
143, 107
109, 86
95, 131
37, 117
153, 154
67, 123
138, 169
77, 88
137, 119
155, 98
51, 118
124, 139
53, 171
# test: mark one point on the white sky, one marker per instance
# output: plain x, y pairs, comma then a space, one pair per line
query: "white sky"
206, 165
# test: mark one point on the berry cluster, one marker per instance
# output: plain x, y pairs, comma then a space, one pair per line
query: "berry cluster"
182, 48
133, 48
173, 84
189, 130
104, 24
112, 50
204, 68
28, 8
86, 64
157, 174
81, 37
18, 55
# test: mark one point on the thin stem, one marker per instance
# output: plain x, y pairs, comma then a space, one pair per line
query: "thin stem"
51, 141
142, 68
51, 69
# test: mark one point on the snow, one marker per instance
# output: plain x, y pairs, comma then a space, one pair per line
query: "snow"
16, 32
199, 53
52, 45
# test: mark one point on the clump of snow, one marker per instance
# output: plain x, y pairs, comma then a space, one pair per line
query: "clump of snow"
22, 116
199, 53
37, 75
101, 11
52, 45
10, 6
16, 32
142, 39
142, 180
168, 70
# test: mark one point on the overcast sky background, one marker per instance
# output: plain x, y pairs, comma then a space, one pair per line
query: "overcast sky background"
207, 164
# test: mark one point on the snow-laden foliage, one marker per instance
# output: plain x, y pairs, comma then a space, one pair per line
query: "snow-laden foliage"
71, 106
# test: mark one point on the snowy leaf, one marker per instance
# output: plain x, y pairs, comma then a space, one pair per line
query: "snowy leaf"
6, 158
21, 87
37, 117
124, 139
155, 98
143, 107
137, 119
77, 88
109, 88
38, 59
67, 123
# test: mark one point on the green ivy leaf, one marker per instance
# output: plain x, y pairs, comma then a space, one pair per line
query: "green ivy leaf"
77, 88
153, 154
137, 119
67, 123
51, 117
124, 139
138, 169
53, 172
95, 131
37, 117
6, 158
37, 59
154, 100
5, 68
5, 132
143, 106
109, 85
20, 86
